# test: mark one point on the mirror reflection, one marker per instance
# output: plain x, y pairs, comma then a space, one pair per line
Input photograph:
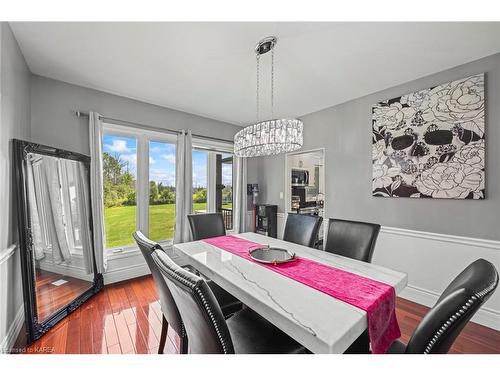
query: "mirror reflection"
306, 184
59, 216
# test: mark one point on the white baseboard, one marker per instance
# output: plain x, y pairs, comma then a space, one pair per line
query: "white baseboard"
126, 273
71, 270
13, 332
485, 316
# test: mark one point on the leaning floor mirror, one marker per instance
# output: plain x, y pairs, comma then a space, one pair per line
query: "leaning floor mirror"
55, 234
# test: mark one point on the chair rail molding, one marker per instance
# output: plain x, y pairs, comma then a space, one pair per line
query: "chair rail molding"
431, 261
469, 241
7, 253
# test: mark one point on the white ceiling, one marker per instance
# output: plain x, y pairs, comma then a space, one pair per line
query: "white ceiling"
209, 68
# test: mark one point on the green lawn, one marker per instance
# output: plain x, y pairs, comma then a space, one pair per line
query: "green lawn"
120, 223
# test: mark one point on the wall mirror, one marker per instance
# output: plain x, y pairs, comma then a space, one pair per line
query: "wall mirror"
55, 235
305, 184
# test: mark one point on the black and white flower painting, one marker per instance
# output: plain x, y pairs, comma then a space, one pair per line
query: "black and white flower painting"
431, 143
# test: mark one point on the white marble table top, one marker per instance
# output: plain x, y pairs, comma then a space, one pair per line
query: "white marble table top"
318, 321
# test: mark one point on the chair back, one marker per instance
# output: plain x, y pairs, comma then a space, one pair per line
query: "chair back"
455, 307
168, 306
352, 239
204, 322
206, 225
302, 229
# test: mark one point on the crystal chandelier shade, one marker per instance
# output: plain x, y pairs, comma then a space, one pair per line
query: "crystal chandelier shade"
270, 137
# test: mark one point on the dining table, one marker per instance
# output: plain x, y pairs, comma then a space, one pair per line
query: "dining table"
318, 321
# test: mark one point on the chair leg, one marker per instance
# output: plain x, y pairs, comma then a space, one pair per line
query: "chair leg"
163, 337
184, 345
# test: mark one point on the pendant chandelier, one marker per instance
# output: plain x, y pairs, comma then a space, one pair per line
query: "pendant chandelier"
269, 137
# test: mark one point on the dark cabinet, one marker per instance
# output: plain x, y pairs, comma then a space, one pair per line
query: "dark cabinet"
267, 219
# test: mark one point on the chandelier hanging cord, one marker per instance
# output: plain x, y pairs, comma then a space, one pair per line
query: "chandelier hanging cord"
272, 83
257, 115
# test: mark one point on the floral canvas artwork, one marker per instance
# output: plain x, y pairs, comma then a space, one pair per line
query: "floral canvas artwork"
431, 143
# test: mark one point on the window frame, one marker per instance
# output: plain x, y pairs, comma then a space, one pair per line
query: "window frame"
143, 138
213, 148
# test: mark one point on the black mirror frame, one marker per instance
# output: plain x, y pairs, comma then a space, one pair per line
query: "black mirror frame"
34, 328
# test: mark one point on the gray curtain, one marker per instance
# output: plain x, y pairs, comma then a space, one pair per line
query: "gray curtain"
55, 215
240, 195
183, 186
39, 245
83, 207
96, 191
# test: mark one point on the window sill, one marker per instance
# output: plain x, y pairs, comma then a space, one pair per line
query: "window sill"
131, 251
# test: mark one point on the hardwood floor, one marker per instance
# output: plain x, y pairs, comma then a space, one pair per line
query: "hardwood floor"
50, 298
474, 339
126, 318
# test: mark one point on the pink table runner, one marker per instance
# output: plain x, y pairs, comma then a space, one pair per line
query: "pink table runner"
374, 297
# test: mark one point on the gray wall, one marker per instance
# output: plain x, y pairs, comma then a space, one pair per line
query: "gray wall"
345, 131
54, 123
14, 123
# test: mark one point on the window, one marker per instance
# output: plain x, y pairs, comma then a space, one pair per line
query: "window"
120, 196
161, 190
200, 181
139, 183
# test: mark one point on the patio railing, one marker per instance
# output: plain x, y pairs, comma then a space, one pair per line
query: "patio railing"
227, 214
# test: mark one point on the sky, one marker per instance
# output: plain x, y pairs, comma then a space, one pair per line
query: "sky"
161, 161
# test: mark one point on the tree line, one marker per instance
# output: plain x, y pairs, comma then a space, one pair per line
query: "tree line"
119, 186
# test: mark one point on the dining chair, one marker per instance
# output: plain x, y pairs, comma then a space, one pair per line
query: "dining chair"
302, 229
169, 309
459, 302
352, 239
206, 225
207, 330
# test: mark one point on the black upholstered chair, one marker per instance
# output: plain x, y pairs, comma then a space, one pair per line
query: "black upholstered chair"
169, 309
352, 239
302, 229
455, 307
206, 225
208, 332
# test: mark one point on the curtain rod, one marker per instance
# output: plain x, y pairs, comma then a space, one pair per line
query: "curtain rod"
149, 127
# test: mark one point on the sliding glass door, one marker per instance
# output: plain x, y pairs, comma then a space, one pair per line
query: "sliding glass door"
213, 183
224, 194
